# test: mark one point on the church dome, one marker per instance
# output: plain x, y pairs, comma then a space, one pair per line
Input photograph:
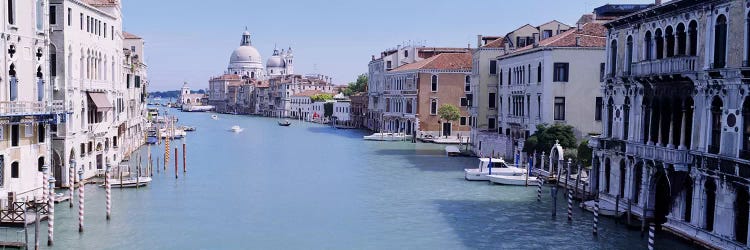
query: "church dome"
246, 56
275, 60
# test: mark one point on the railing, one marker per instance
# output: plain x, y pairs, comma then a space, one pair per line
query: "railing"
659, 153
9, 108
672, 65
516, 119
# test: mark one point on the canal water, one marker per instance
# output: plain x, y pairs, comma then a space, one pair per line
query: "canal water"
309, 186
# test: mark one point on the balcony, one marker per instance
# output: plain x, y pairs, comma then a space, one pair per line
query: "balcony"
674, 65
659, 153
516, 119
19, 108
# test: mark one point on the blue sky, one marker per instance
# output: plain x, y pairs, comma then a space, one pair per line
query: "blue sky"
192, 40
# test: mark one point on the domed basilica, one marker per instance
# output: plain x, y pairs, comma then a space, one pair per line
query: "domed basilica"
247, 62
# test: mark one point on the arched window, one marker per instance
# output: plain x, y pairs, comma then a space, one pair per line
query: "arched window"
610, 116
622, 179
710, 191
40, 164
607, 172
637, 181
629, 55
626, 118
613, 58
745, 150
693, 36
659, 44
649, 46
39, 84
681, 40
434, 83
716, 108
670, 41
720, 42
14, 170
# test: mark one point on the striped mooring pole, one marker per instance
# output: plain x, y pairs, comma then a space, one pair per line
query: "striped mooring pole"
570, 204
45, 184
51, 210
72, 181
651, 236
80, 200
596, 216
539, 183
108, 191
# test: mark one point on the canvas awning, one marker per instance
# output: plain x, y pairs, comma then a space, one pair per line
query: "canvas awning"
100, 101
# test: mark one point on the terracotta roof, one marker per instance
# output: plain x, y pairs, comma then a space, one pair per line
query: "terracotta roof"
127, 35
497, 43
444, 61
101, 3
227, 77
307, 93
591, 35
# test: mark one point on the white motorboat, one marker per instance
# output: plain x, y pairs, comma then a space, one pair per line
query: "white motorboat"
175, 134
236, 129
513, 180
215, 117
605, 208
385, 137
130, 182
499, 167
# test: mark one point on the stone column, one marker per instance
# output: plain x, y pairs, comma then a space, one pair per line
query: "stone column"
676, 44
670, 144
683, 127
687, 41
650, 127
659, 141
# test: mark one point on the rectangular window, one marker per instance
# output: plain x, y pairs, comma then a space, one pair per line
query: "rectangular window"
88, 24
433, 107
546, 34
464, 102
129, 76
559, 108
561, 72
28, 130
500, 76
14, 135
492, 100
388, 65
470, 99
81, 21
137, 81
493, 67
53, 15
601, 72
105, 30
463, 121
11, 12
112, 35
598, 108
70, 16
491, 123
41, 133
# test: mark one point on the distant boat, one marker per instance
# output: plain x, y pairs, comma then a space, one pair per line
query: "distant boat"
236, 129
175, 134
215, 117
188, 128
285, 123
513, 180
130, 182
385, 137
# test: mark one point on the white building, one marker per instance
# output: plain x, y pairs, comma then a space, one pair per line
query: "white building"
280, 63
341, 110
27, 111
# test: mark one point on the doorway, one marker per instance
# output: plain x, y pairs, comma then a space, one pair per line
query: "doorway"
447, 128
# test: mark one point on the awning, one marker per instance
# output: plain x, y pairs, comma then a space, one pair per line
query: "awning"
100, 101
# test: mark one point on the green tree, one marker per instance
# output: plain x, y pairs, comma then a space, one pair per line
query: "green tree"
328, 109
356, 87
449, 112
584, 153
545, 136
321, 97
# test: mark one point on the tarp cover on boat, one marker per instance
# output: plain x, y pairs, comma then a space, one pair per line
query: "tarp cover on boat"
100, 101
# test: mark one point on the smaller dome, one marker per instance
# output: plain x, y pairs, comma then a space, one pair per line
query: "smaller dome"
275, 61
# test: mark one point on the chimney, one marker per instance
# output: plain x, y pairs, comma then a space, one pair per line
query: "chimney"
536, 39
657, 2
479, 41
578, 41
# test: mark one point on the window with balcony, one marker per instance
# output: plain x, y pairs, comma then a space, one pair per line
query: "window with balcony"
613, 58
659, 44
561, 72
648, 46
610, 116
559, 108
598, 109
716, 107
669, 37
720, 42
434, 83
493, 67
626, 118
681, 40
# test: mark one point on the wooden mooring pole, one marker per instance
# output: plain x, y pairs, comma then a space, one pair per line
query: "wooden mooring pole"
51, 210
81, 183
175, 163
108, 190
184, 155
72, 180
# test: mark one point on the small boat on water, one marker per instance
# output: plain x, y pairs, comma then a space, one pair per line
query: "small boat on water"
130, 182
513, 180
175, 134
285, 123
215, 117
499, 167
385, 137
187, 128
605, 208
236, 129
452, 151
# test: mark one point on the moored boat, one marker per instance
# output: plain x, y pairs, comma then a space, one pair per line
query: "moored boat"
499, 167
385, 137
130, 182
605, 208
513, 180
285, 123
